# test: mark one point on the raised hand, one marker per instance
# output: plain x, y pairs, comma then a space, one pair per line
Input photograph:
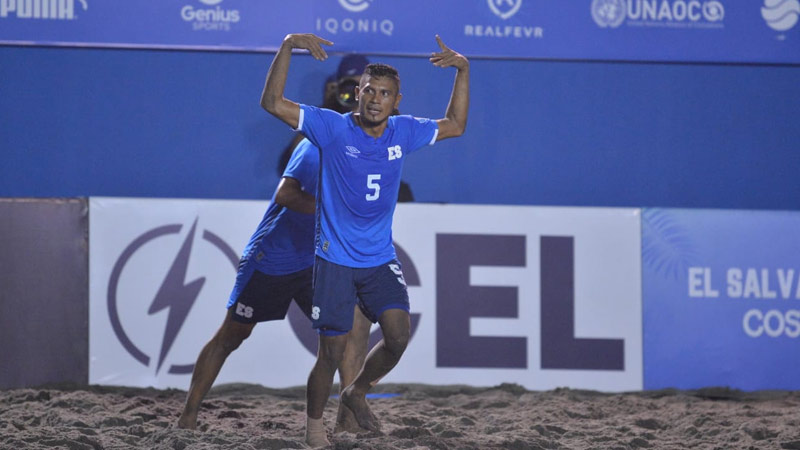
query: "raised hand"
447, 57
310, 42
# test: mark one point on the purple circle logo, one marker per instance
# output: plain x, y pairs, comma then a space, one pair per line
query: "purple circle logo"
175, 294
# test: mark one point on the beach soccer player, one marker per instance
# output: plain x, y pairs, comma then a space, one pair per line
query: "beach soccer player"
275, 268
361, 157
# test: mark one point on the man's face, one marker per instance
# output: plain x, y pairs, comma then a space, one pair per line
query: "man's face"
377, 98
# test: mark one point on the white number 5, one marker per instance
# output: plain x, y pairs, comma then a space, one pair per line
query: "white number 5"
372, 184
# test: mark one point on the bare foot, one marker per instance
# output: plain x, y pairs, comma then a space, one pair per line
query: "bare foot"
357, 404
346, 421
317, 440
187, 421
316, 437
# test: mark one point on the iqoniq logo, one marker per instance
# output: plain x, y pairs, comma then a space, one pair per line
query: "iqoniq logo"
781, 15
175, 294
41, 9
355, 5
356, 24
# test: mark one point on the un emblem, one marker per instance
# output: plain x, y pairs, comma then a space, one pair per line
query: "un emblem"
608, 13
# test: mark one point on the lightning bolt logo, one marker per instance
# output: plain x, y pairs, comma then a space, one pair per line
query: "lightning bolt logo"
176, 295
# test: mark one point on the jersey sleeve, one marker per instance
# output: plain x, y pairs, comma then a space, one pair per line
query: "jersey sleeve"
422, 132
304, 165
319, 124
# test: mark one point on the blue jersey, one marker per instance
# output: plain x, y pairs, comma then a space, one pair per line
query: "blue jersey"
284, 240
359, 182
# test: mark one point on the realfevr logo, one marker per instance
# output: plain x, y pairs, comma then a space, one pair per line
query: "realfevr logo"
41, 9
361, 25
175, 296
658, 13
781, 15
210, 19
504, 9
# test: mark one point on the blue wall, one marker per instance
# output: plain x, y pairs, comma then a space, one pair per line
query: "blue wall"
76, 122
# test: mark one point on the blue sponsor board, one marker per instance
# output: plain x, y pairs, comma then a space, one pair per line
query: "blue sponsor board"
758, 31
721, 299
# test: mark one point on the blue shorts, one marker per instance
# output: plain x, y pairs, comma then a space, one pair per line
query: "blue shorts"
258, 297
337, 289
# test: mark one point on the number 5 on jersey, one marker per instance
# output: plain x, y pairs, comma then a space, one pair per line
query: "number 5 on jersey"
372, 183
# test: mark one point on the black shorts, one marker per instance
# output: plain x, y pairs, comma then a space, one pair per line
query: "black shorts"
258, 297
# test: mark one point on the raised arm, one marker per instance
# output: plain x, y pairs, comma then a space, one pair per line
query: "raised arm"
292, 196
455, 119
272, 98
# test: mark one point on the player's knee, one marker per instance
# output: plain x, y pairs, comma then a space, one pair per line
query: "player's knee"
231, 341
331, 351
396, 344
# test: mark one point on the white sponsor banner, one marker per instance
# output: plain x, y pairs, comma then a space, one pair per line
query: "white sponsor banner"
539, 296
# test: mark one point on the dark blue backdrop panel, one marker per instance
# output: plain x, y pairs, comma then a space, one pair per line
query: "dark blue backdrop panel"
77, 122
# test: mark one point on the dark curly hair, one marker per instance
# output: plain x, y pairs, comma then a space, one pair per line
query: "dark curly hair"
379, 70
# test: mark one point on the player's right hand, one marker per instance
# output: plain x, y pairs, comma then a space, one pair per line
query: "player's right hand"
448, 57
310, 42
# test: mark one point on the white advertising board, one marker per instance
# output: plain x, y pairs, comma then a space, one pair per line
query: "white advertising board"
539, 296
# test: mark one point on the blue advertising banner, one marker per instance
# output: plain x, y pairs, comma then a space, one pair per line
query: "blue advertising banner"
755, 31
721, 299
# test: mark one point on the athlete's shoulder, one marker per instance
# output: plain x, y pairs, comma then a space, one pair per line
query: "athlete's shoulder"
304, 160
409, 120
409, 124
324, 114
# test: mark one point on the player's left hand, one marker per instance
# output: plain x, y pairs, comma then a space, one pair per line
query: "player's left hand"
447, 57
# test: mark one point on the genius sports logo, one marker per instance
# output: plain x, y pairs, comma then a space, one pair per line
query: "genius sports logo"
709, 14
176, 295
210, 17
42, 9
494, 28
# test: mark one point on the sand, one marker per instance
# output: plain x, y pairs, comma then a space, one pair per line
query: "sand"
245, 416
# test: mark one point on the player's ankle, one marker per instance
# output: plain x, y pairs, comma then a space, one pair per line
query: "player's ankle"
315, 433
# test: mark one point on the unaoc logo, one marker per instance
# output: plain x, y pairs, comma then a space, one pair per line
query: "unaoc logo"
781, 15
660, 13
175, 294
608, 13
